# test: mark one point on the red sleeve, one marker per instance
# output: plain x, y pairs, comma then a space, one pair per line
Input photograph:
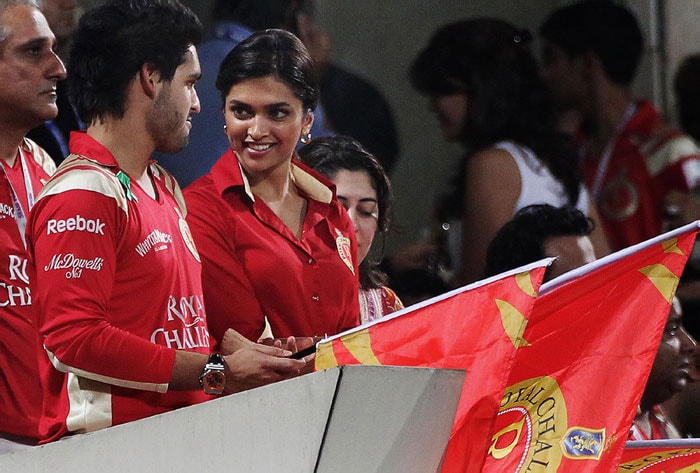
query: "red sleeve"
73, 277
222, 274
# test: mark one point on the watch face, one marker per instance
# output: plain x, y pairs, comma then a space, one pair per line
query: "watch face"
213, 382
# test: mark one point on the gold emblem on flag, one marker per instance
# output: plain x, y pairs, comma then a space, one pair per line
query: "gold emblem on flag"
527, 429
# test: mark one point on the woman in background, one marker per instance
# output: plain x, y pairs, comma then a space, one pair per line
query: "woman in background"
364, 189
483, 85
277, 247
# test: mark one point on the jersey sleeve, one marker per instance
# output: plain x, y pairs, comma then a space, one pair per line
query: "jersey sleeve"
73, 239
229, 297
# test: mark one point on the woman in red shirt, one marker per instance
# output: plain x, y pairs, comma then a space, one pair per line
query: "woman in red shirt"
278, 250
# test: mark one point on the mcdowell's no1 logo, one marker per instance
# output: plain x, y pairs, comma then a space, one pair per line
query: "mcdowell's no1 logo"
529, 428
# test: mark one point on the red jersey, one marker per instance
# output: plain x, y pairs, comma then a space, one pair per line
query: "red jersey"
254, 267
117, 291
647, 160
20, 390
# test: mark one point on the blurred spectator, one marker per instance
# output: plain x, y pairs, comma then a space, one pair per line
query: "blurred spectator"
686, 87
630, 158
353, 106
484, 87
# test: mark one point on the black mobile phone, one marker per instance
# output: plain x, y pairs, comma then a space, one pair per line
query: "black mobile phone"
305, 352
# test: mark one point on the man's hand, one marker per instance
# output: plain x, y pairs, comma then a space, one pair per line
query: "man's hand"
250, 364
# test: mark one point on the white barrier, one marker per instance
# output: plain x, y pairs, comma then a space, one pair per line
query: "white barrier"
348, 419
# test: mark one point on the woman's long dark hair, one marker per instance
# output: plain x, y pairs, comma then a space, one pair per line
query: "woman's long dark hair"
489, 60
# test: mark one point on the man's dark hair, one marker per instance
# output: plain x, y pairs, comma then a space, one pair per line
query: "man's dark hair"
521, 240
115, 40
607, 30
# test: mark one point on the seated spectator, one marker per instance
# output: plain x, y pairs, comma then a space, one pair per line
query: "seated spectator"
540, 231
364, 189
669, 375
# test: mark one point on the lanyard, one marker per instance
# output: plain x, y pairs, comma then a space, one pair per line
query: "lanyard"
20, 214
604, 162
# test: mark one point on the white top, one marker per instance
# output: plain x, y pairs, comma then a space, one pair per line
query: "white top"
539, 186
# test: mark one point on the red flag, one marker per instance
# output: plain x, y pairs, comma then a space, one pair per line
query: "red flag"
593, 335
661, 456
475, 328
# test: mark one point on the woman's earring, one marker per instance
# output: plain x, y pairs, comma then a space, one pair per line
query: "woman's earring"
225, 129
306, 139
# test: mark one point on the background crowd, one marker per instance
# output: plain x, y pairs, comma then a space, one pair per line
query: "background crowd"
287, 192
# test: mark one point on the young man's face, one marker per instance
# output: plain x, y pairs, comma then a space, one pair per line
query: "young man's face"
170, 120
571, 251
563, 77
29, 69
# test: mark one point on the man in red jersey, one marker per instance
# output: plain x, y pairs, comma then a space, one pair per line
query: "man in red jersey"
631, 159
29, 71
117, 287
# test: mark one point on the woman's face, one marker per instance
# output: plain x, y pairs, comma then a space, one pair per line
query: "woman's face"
264, 122
451, 111
359, 197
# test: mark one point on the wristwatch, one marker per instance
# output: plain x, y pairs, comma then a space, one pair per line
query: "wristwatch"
213, 379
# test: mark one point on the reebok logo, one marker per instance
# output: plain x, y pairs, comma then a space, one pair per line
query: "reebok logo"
75, 224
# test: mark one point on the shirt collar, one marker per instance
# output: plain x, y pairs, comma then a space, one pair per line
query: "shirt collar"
227, 173
88, 147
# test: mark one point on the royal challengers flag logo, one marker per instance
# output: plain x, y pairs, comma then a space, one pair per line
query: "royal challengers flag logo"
591, 339
475, 328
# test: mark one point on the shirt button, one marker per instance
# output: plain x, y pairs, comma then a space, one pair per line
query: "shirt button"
315, 298
311, 261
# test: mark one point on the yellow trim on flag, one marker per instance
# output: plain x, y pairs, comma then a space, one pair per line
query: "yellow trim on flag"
359, 344
514, 323
662, 278
325, 357
671, 246
524, 282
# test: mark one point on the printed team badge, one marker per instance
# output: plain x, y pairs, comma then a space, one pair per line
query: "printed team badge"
187, 235
579, 443
619, 197
343, 244
529, 427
